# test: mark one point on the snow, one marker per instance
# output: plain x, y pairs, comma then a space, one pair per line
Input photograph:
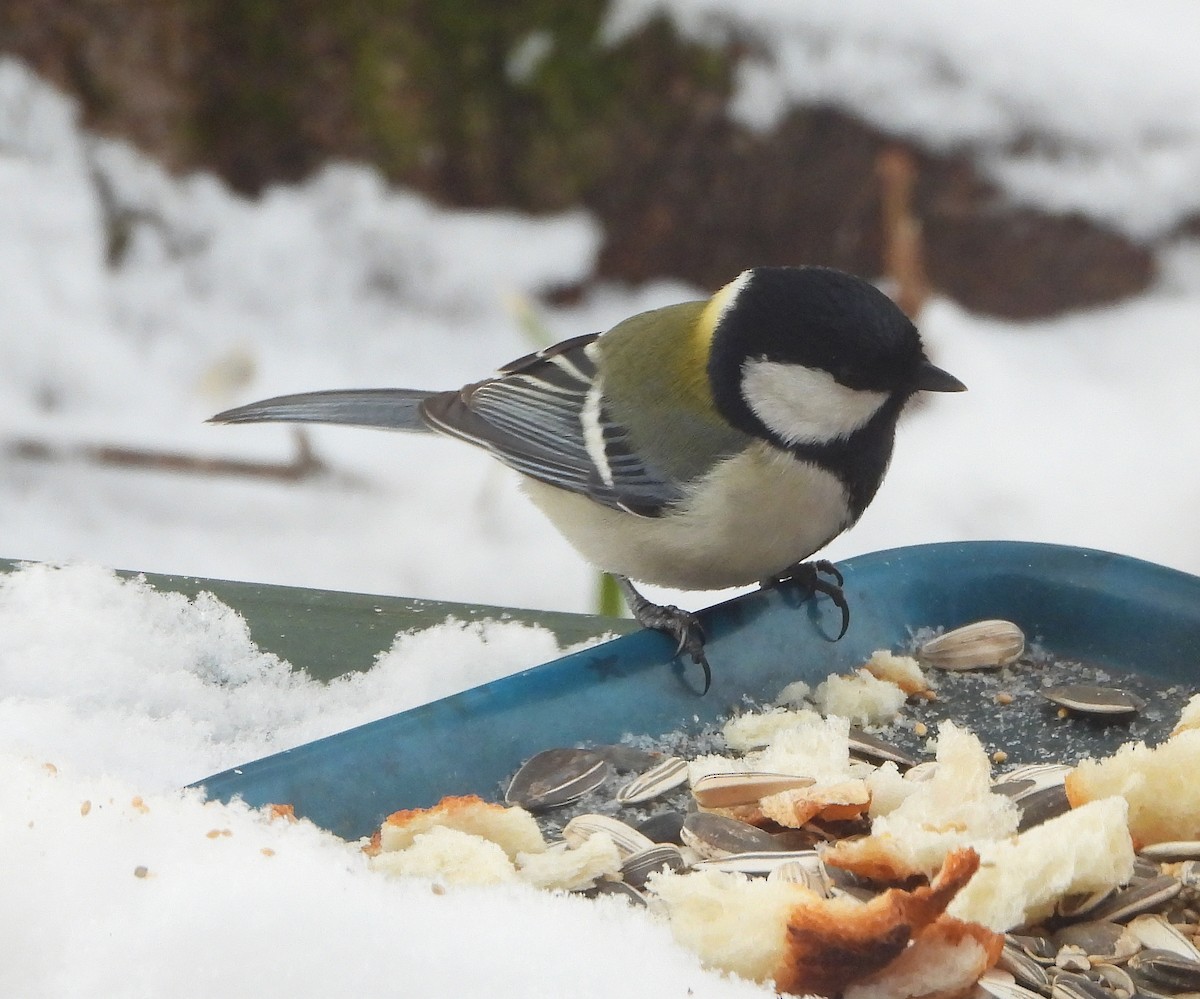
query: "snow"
1078, 430
1084, 105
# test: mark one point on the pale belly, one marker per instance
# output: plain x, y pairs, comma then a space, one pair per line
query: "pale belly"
769, 514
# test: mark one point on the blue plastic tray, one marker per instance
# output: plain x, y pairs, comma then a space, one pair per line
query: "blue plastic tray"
1111, 609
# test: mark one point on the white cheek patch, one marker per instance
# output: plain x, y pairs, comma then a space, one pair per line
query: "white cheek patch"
803, 405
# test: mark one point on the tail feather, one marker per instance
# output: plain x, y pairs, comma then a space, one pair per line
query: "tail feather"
393, 409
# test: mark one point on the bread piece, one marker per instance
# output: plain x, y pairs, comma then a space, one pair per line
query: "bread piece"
1189, 718
888, 789
1087, 849
860, 697
954, 808
904, 671
513, 829
788, 934
810, 746
837, 941
451, 856
1160, 784
571, 870
734, 923
756, 729
944, 961
795, 695
835, 802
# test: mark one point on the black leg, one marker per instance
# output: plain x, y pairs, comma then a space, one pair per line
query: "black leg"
681, 625
808, 575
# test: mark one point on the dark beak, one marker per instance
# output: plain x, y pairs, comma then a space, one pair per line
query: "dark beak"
931, 378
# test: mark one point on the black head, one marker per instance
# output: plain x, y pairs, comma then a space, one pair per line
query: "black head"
809, 354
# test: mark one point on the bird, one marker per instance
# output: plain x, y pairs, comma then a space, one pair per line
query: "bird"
704, 445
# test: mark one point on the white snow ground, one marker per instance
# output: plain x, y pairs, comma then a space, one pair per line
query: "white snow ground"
1079, 430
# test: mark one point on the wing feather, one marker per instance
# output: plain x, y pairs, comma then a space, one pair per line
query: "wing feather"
545, 415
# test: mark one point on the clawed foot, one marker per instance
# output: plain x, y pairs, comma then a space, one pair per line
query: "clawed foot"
808, 575
681, 625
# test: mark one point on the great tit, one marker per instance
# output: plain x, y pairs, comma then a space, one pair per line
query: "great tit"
699, 446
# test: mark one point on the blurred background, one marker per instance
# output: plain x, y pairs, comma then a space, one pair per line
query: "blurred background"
206, 203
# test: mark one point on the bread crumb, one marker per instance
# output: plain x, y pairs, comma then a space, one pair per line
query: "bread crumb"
450, 855
953, 808
513, 829
1189, 718
1158, 783
1019, 880
921, 729
794, 694
860, 697
571, 870
904, 671
944, 962
999, 756
756, 729
85, 807
1004, 697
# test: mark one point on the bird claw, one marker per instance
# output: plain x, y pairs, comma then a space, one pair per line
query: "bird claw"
809, 575
685, 628
681, 625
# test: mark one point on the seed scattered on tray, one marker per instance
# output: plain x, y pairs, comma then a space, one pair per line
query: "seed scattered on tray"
880, 872
1089, 699
662, 778
556, 777
980, 645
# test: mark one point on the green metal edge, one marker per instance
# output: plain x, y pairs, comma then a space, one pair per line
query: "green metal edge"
329, 633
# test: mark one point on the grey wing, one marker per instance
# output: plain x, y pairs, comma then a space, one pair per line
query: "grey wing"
545, 415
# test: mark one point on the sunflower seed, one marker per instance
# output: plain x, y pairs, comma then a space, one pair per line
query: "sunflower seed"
875, 750
620, 889
761, 863
1156, 932
1041, 805
627, 839
1022, 967
1137, 899
1039, 948
660, 857
802, 872
663, 827
1072, 958
1100, 940
660, 779
556, 777
1088, 699
1075, 986
727, 790
1002, 985
1189, 873
980, 645
1116, 979
1167, 969
1078, 906
713, 836
1042, 774
1144, 870
1184, 849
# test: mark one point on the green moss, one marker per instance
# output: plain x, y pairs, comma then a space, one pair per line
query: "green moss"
427, 90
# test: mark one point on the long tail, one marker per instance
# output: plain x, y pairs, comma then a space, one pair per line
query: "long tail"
394, 409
